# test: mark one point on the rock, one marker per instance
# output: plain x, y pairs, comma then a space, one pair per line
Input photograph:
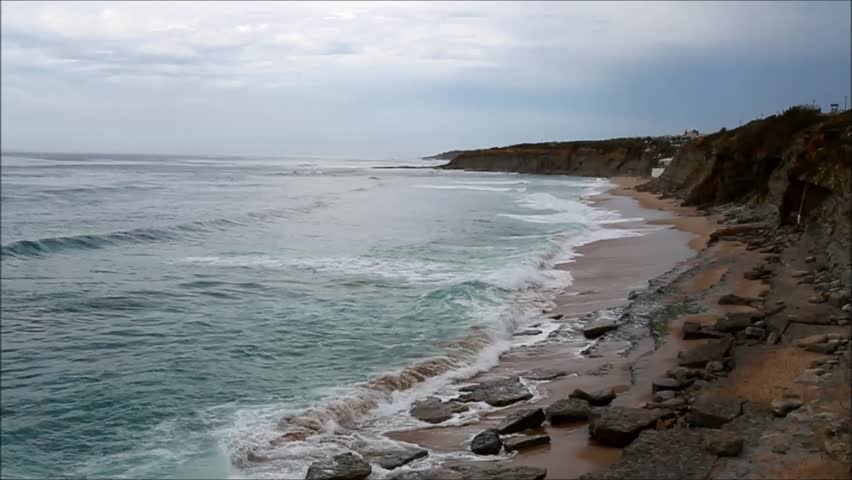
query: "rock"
568, 410
713, 413
497, 393
672, 403
618, 426
754, 332
734, 299
816, 299
772, 338
597, 398
784, 405
544, 374
486, 443
672, 454
524, 442
598, 328
668, 383
693, 331
809, 377
522, 420
557, 316
528, 333
499, 470
811, 340
722, 443
390, 459
847, 307
715, 366
429, 474
733, 322
433, 410
664, 395
825, 348
346, 466
699, 356
810, 259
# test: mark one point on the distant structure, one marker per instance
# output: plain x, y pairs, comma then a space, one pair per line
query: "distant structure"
678, 140
834, 107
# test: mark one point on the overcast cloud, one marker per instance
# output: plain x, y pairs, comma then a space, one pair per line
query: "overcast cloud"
403, 78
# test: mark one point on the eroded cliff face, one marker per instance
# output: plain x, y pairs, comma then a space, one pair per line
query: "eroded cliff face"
604, 158
795, 167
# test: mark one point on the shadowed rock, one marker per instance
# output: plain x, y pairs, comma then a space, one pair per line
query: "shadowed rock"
568, 410
522, 420
497, 393
597, 398
433, 410
346, 466
693, 331
598, 328
486, 443
734, 299
524, 442
395, 458
618, 426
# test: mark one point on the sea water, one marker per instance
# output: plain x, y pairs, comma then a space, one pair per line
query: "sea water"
171, 316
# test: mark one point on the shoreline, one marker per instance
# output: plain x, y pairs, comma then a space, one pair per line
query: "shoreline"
605, 272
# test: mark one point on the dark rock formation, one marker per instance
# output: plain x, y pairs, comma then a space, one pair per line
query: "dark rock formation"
698, 356
568, 410
524, 442
433, 410
598, 328
522, 420
713, 413
597, 398
497, 393
618, 426
486, 443
346, 466
397, 457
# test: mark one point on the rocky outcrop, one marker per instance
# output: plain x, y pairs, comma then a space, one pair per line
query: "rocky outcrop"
522, 420
618, 426
497, 393
346, 466
486, 443
568, 410
602, 158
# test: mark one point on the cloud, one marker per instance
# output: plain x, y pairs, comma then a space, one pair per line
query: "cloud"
375, 57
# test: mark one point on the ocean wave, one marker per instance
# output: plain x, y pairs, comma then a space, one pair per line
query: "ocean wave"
478, 188
493, 182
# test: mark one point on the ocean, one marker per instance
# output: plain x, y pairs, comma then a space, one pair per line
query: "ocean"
169, 317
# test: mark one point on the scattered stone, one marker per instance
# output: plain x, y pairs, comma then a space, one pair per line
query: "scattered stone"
390, 459
734, 299
499, 470
568, 410
346, 466
816, 299
597, 398
808, 377
598, 328
699, 356
772, 338
433, 410
754, 332
722, 443
522, 420
810, 259
713, 413
618, 426
525, 441
784, 405
486, 443
544, 374
715, 366
672, 403
498, 393
664, 395
668, 383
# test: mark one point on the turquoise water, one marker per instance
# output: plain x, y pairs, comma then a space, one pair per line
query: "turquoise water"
162, 315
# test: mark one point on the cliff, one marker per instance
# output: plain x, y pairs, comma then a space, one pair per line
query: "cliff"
795, 168
603, 158
446, 155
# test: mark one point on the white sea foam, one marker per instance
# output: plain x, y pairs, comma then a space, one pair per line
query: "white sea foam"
475, 188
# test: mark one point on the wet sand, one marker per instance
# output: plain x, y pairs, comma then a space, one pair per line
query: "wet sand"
604, 273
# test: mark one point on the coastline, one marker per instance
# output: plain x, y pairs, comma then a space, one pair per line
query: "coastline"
604, 272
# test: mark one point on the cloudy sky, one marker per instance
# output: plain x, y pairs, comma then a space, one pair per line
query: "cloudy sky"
403, 79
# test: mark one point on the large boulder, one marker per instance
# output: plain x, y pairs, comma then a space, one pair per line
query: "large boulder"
522, 420
396, 457
618, 426
568, 410
346, 466
597, 398
433, 410
698, 356
486, 443
597, 328
498, 393
709, 413
524, 442
499, 470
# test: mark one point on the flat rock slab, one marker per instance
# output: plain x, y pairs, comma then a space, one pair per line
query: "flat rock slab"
397, 457
618, 426
497, 393
694, 331
544, 374
346, 466
723, 444
665, 455
433, 410
525, 442
522, 420
428, 474
597, 328
487, 442
568, 410
596, 398
733, 322
698, 356
668, 383
500, 470
713, 413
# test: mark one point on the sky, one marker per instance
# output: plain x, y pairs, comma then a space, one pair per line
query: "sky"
403, 79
